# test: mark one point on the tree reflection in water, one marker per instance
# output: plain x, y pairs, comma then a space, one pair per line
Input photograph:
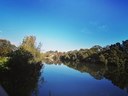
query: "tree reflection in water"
118, 76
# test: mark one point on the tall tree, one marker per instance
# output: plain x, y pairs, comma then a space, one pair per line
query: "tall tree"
29, 44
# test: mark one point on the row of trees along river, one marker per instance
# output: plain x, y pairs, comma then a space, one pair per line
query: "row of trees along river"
110, 62
20, 66
114, 55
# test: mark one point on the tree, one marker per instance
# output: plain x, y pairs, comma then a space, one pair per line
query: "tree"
102, 58
6, 47
29, 44
22, 75
96, 48
113, 55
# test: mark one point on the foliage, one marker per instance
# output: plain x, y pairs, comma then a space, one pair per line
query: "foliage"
116, 55
3, 63
29, 44
6, 47
52, 56
81, 55
20, 67
22, 75
3, 60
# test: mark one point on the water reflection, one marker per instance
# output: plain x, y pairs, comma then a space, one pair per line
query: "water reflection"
72, 79
118, 76
21, 77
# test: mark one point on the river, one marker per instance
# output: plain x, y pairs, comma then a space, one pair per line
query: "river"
67, 80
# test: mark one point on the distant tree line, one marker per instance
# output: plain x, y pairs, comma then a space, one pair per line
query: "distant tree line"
51, 57
115, 54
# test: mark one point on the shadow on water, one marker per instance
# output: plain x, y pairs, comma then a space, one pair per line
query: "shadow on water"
22, 76
118, 76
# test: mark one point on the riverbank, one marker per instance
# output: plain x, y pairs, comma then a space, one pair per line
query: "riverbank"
2, 91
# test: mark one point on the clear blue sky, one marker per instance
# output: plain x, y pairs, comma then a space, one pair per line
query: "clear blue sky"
65, 24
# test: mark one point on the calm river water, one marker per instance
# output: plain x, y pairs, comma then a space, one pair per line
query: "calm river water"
61, 80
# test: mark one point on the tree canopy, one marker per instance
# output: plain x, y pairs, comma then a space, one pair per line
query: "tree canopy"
29, 44
6, 47
115, 54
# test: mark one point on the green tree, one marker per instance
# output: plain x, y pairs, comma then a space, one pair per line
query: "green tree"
6, 47
102, 58
29, 44
22, 75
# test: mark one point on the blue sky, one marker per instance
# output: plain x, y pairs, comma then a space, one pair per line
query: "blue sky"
65, 24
